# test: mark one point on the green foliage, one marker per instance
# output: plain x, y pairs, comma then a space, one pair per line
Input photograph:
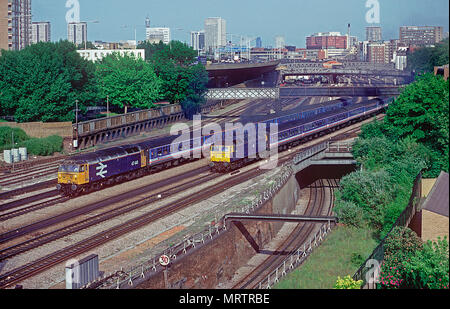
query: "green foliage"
182, 81
401, 242
44, 146
88, 45
368, 191
421, 113
378, 193
349, 214
129, 82
347, 283
357, 259
409, 263
426, 58
42, 82
6, 137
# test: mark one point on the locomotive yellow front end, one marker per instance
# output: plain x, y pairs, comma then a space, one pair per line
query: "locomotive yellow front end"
72, 177
221, 157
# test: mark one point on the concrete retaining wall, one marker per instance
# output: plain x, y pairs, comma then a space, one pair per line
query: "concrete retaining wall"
214, 263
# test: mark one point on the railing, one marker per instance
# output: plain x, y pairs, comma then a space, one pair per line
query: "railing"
403, 220
295, 259
340, 147
124, 278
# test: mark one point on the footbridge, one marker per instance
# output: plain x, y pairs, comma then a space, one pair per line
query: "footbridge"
291, 92
344, 68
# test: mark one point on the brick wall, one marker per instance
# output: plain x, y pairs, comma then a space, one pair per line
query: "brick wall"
40, 129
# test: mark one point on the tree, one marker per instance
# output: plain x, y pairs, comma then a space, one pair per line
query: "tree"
183, 81
42, 82
128, 82
426, 58
421, 112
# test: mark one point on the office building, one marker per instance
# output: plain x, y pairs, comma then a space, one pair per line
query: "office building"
77, 33
40, 32
198, 40
327, 40
373, 34
15, 31
215, 33
158, 34
258, 42
420, 35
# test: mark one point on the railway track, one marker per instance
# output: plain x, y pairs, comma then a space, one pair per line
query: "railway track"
318, 202
38, 206
50, 260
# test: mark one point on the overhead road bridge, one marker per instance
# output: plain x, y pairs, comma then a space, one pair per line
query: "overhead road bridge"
230, 74
292, 92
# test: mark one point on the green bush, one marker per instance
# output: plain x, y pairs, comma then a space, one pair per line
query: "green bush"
349, 214
44, 146
348, 283
411, 264
6, 137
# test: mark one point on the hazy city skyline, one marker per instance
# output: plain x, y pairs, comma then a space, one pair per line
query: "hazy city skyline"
294, 19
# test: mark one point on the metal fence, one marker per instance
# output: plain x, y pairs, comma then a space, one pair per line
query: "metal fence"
128, 278
297, 258
378, 254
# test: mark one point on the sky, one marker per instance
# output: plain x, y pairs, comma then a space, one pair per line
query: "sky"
293, 19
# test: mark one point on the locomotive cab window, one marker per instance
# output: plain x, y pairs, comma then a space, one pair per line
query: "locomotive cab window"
69, 169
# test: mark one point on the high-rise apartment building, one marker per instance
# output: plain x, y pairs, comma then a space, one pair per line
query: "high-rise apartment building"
198, 40
280, 42
420, 35
77, 33
374, 34
376, 53
215, 33
4, 33
15, 24
40, 32
155, 35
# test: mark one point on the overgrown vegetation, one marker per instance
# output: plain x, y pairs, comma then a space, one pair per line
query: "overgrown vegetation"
412, 138
35, 146
390, 154
411, 264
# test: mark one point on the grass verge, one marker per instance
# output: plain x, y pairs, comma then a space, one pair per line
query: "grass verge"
340, 254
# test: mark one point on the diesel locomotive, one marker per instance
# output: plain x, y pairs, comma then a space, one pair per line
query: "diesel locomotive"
89, 172
226, 157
